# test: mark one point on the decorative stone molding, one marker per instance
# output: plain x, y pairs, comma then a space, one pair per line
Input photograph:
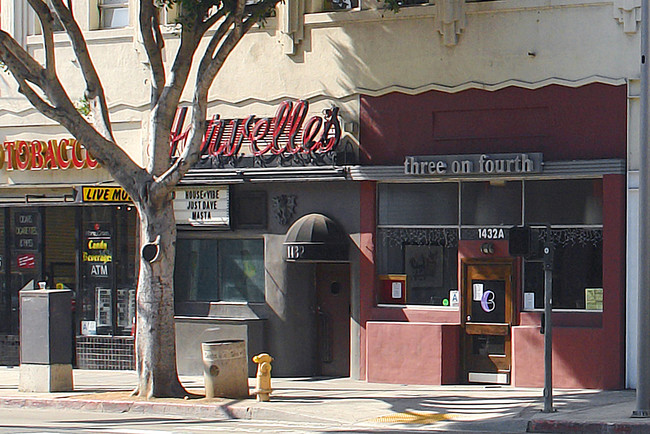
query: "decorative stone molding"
284, 206
628, 13
450, 20
291, 25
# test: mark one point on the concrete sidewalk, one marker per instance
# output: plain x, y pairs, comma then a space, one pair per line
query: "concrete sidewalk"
351, 403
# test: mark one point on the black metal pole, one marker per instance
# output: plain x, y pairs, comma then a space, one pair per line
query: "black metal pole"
548, 322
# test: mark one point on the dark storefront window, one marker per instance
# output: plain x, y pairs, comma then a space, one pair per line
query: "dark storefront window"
491, 203
210, 269
565, 202
573, 208
108, 270
418, 238
5, 296
249, 210
23, 264
88, 250
60, 248
577, 274
419, 227
418, 204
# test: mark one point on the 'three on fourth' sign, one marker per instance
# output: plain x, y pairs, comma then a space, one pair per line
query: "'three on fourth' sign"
206, 206
474, 164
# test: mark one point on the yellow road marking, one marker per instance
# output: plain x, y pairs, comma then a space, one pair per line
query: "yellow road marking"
414, 417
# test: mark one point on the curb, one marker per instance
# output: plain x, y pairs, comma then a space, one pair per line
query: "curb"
225, 411
551, 426
219, 411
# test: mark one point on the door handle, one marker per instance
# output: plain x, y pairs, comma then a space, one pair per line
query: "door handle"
469, 317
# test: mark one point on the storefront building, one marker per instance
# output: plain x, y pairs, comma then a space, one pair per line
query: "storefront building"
424, 229
74, 235
383, 254
264, 249
442, 272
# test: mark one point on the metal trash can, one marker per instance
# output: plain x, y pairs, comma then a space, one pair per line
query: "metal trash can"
225, 369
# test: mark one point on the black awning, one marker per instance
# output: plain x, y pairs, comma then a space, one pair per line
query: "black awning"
316, 238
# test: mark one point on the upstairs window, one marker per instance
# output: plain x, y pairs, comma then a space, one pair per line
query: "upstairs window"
314, 6
33, 26
338, 5
113, 13
403, 3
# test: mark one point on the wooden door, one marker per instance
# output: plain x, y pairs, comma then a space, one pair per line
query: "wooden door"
488, 313
333, 316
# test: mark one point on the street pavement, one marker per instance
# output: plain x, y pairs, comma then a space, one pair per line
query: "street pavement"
351, 405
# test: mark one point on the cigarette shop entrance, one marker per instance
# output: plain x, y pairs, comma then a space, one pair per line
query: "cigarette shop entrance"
87, 249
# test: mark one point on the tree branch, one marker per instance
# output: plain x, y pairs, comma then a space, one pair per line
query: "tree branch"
191, 35
106, 152
214, 43
47, 21
153, 44
94, 89
19, 62
214, 18
225, 39
35, 100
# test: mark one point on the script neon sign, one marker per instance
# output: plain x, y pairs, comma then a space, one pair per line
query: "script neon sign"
288, 132
40, 155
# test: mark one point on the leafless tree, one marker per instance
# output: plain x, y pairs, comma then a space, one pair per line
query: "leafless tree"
222, 24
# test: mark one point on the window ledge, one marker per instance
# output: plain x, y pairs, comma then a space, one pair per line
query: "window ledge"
222, 310
565, 318
215, 318
92, 36
417, 307
368, 15
427, 10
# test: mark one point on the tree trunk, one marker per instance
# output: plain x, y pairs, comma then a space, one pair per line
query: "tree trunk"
155, 332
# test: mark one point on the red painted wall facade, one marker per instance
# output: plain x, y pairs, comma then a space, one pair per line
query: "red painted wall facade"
583, 123
564, 123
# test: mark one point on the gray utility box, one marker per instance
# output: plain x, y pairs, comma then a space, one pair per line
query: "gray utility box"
46, 340
45, 326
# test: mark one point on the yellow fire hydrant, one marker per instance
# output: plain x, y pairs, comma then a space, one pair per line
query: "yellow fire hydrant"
263, 387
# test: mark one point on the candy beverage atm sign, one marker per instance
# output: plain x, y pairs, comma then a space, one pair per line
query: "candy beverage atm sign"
41, 155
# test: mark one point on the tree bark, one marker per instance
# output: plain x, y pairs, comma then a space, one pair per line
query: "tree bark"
155, 341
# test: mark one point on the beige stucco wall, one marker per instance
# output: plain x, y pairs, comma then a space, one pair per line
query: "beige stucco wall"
522, 42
